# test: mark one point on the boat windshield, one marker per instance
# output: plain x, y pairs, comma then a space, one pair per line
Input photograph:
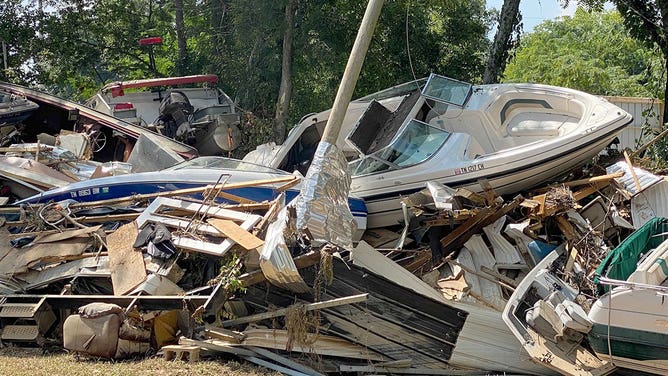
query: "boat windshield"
395, 91
223, 163
415, 143
448, 90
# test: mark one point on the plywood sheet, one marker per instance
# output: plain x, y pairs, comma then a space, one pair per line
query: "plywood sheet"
126, 263
18, 260
236, 233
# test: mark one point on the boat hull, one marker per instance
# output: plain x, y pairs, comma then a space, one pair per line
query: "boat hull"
631, 348
384, 204
114, 187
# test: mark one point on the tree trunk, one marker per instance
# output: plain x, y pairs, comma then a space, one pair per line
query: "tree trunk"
498, 55
216, 22
665, 89
285, 91
180, 38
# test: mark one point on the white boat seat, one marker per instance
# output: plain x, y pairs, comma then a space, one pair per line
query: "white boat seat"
653, 270
573, 316
537, 124
545, 321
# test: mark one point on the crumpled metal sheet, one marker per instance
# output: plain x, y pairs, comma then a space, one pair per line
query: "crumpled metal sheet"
645, 178
322, 205
275, 259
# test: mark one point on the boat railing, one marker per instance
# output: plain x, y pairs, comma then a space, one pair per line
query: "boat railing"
632, 285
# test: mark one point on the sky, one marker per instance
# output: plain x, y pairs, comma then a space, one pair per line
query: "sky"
535, 12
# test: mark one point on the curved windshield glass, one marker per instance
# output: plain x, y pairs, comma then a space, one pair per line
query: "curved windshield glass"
395, 91
447, 90
223, 163
415, 143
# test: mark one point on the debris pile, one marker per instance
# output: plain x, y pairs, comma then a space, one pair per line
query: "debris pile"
194, 277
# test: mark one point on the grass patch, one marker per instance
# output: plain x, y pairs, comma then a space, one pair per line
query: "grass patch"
30, 362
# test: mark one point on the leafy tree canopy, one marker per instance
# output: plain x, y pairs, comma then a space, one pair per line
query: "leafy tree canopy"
591, 51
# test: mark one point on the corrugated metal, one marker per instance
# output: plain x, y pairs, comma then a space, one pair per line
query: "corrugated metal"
645, 178
394, 321
651, 202
646, 112
485, 342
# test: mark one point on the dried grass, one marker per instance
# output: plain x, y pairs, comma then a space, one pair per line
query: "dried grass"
30, 362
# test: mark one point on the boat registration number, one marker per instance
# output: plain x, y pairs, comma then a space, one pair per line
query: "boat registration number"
469, 169
88, 192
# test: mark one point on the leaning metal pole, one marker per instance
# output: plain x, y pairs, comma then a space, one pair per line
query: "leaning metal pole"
323, 204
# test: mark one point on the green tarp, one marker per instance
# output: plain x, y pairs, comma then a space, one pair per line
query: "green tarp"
622, 261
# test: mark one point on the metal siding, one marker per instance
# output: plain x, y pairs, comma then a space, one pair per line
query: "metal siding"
636, 106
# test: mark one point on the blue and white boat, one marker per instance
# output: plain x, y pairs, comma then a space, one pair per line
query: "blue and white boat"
190, 174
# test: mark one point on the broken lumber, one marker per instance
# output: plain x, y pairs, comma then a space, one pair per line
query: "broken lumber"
319, 343
308, 307
235, 232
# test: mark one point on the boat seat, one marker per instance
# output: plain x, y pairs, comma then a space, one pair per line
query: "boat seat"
653, 270
570, 313
537, 124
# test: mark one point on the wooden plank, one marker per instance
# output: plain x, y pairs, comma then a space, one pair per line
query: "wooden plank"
223, 334
320, 344
235, 198
50, 238
182, 192
126, 263
633, 172
217, 345
308, 259
236, 233
308, 307
289, 185
17, 260
572, 256
498, 275
486, 216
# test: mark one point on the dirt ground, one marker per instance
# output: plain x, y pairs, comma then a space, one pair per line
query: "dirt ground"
32, 362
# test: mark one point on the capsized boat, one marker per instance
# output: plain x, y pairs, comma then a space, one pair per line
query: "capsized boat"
194, 173
515, 136
15, 108
202, 116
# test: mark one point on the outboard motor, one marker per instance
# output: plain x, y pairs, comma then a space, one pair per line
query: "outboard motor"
174, 111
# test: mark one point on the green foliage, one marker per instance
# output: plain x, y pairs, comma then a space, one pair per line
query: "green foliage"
73, 47
592, 52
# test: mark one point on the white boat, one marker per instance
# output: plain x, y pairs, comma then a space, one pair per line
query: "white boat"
546, 321
202, 116
630, 320
515, 136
